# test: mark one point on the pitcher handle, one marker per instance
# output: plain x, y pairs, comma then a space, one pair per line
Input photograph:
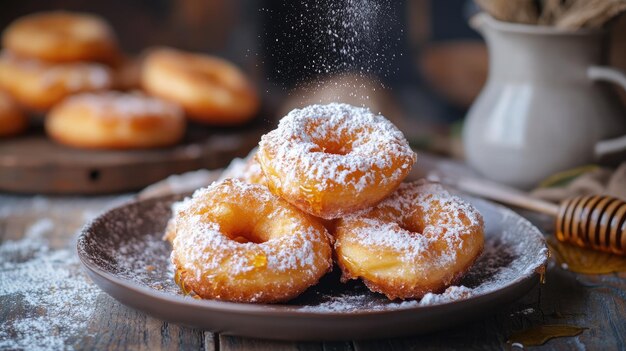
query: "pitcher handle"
478, 22
611, 75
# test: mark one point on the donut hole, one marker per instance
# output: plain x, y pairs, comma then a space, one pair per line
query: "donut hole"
243, 230
413, 226
210, 76
414, 222
243, 236
328, 139
334, 147
255, 229
245, 224
94, 175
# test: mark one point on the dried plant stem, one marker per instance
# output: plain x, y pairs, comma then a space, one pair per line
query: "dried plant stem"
564, 14
519, 11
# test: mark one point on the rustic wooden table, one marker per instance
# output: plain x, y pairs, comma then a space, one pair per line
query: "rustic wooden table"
47, 302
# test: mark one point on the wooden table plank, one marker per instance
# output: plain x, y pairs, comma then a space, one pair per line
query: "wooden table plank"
114, 326
211, 341
338, 346
234, 343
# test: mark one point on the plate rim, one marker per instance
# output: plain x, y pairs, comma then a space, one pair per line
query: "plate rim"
283, 310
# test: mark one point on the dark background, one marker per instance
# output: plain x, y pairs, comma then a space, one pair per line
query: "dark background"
245, 32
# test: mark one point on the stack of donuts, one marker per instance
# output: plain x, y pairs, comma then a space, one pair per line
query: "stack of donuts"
68, 67
325, 186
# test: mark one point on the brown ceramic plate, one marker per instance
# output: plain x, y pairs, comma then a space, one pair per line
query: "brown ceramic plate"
123, 253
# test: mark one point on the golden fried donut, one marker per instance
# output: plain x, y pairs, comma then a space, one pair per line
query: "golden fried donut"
332, 160
61, 37
421, 239
237, 242
210, 89
247, 169
39, 86
12, 120
112, 120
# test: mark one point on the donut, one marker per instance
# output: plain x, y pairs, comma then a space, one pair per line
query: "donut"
247, 169
113, 120
238, 242
12, 120
210, 89
38, 85
332, 160
421, 239
61, 37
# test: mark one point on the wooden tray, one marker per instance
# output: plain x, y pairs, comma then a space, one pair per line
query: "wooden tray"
35, 164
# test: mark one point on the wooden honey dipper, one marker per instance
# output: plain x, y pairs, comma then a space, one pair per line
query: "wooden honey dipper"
597, 222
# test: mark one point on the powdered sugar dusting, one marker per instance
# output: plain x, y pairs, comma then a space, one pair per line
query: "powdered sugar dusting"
135, 258
79, 76
47, 299
75, 76
337, 36
347, 303
108, 104
453, 293
297, 148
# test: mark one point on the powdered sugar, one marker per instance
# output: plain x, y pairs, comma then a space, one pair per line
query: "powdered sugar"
349, 303
366, 146
75, 77
334, 36
117, 104
453, 293
47, 299
376, 234
79, 77
135, 259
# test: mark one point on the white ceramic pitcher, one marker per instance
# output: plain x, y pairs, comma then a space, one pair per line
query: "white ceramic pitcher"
543, 108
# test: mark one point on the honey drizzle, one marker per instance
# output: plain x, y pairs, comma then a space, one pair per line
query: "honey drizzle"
178, 279
541, 270
259, 261
313, 199
585, 261
539, 335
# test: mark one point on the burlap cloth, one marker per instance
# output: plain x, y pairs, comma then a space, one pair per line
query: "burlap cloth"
600, 181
